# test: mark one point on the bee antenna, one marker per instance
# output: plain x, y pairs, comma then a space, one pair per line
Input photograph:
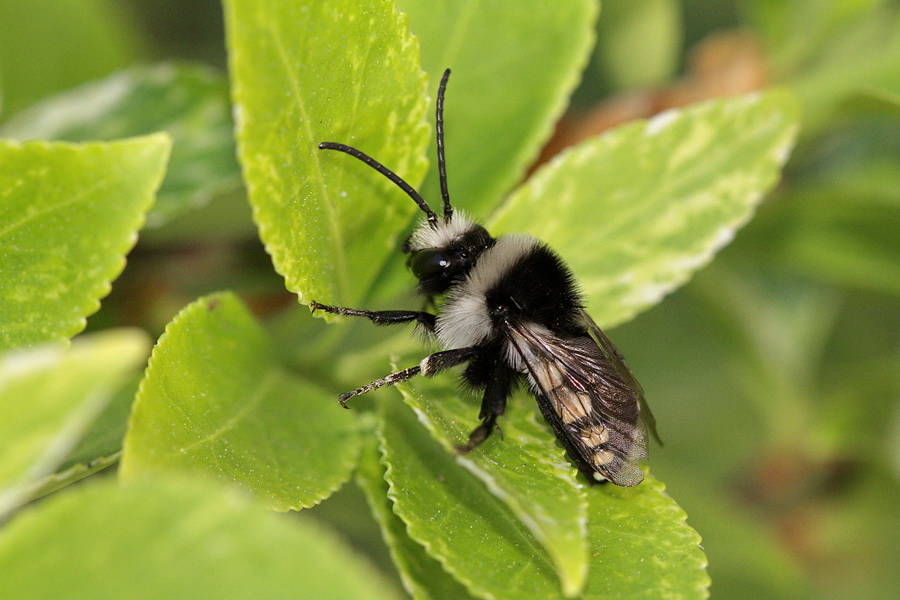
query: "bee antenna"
398, 181
442, 161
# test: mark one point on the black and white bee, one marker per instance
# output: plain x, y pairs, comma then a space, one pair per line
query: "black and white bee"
510, 309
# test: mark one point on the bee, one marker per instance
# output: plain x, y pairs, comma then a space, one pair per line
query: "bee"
510, 310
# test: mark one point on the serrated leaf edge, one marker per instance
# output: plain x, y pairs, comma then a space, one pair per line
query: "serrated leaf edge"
570, 588
654, 292
95, 293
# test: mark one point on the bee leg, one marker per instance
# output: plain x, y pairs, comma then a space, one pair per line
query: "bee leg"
433, 364
429, 366
381, 317
477, 437
391, 379
497, 391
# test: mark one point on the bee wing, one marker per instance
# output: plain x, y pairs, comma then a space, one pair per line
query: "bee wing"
645, 416
588, 396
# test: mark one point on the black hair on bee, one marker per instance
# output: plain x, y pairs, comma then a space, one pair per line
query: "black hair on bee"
511, 311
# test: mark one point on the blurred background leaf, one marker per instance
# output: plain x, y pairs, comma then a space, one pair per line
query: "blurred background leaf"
189, 101
49, 396
180, 538
47, 46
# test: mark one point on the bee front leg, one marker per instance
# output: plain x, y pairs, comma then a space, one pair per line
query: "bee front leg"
382, 317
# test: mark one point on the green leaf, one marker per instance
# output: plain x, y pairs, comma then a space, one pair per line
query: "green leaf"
100, 446
68, 215
513, 73
47, 46
797, 34
104, 438
636, 211
526, 469
49, 396
842, 236
215, 401
308, 72
474, 535
687, 360
422, 575
838, 218
863, 55
640, 545
190, 102
639, 43
747, 559
175, 539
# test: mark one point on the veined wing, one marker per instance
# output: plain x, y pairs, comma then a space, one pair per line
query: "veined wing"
589, 397
645, 417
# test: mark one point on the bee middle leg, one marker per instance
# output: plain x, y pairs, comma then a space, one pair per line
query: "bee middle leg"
429, 366
498, 388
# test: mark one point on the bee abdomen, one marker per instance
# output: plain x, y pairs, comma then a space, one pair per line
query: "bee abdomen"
593, 437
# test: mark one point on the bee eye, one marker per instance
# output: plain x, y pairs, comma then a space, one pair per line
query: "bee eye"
427, 263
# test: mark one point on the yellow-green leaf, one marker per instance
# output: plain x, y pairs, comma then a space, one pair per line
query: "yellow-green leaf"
176, 538
636, 211
339, 71
215, 401
68, 215
49, 396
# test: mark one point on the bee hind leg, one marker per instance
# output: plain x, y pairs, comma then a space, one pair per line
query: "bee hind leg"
391, 379
430, 365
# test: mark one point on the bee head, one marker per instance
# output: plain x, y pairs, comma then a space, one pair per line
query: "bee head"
443, 254
442, 250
